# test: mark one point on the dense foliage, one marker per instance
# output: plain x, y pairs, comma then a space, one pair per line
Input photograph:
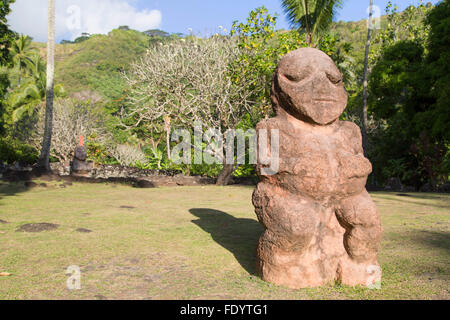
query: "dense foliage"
408, 113
5, 58
408, 99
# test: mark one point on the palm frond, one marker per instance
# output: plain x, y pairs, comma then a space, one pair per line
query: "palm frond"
324, 12
311, 16
26, 109
59, 90
297, 12
28, 92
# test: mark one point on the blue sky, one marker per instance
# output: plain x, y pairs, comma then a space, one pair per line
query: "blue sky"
74, 17
201, 15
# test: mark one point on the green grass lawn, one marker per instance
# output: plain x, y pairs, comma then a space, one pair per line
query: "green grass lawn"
193, 243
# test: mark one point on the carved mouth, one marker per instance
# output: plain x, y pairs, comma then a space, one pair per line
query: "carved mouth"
324, 100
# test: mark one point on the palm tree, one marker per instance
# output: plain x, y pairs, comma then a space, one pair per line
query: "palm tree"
311, 17
22, 54
26, 99
44, 159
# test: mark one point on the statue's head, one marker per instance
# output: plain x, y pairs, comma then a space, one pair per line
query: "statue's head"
308, 85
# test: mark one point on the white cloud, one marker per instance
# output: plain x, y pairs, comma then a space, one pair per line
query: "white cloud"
76, 16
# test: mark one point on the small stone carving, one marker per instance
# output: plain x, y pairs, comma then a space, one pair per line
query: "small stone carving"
79, 164
321, 225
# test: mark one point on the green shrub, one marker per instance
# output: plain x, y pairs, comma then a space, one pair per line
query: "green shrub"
13, 151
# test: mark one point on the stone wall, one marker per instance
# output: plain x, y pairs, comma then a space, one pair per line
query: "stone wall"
137, 177
112, 171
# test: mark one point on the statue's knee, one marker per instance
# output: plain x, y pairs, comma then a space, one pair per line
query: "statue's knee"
362, 244
290, 218
295, 220
359, 210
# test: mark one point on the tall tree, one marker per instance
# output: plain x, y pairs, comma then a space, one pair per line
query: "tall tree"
5, 58
438, 69
22, 54
202, 82
5, 33
366, 62
311, 17
26, 100
47, 139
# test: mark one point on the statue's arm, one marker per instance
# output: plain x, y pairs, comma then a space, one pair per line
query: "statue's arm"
353, 133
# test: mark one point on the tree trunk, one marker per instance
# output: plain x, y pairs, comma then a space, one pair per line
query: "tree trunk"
167, 128
309, 39
47, 139
20, 74
365, 83
224, 177
168, 144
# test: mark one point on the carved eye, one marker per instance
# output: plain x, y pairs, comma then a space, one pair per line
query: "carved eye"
334, 78
297, 75
292, 78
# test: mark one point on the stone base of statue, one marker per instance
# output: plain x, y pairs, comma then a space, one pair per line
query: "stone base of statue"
308, 244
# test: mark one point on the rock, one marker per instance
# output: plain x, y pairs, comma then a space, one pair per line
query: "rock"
61, 169
81, 166
145, 184
444, 188
394, 184
427, 187
320, 223
2, 167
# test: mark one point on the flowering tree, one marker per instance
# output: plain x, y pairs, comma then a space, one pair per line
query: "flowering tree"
193, 79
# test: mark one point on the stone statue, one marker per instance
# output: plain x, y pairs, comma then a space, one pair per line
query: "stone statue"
80, 165
321, 226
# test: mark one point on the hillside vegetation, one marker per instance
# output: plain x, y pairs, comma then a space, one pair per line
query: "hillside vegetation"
96, 63
142, 88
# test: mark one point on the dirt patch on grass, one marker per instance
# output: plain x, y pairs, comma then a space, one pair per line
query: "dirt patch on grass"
37, 227
127, 207
83, 230
3, 221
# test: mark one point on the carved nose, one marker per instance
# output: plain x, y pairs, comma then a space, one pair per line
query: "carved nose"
321, 84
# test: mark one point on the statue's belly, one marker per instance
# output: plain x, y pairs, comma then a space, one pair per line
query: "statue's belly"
323, 174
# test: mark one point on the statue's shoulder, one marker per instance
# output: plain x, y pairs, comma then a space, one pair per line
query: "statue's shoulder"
349, 128
270, 123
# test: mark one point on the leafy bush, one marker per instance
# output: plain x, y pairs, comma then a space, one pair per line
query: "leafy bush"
98, 152
13, 151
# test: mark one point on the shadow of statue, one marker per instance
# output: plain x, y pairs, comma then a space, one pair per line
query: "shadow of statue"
9, 189
237, 235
